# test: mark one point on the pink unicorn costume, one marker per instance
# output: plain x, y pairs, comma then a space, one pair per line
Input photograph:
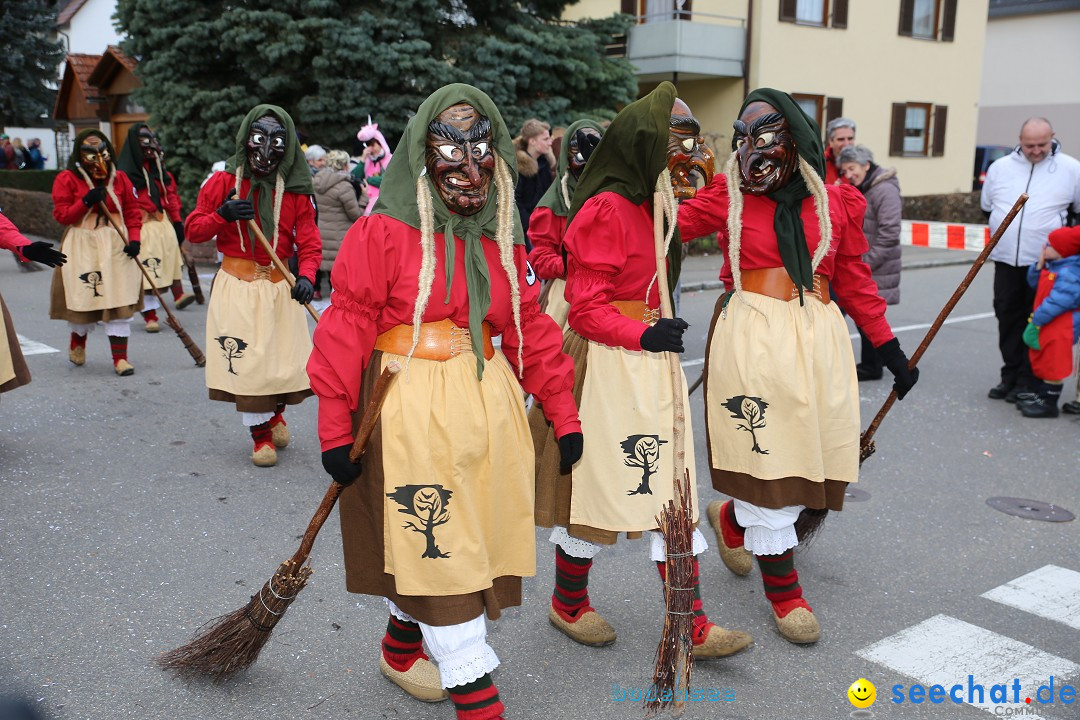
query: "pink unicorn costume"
373, 167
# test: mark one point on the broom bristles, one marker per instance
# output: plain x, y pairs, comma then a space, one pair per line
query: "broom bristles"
231, 643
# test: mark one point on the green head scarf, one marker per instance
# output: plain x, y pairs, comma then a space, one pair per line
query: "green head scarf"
553, 198
131, 161
630, 157
397, 198
293, 167
73, 159
790, 236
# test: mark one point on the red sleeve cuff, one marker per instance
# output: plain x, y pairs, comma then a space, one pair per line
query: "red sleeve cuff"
335, 423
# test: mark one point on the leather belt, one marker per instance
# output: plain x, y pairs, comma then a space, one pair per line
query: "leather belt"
439, 341
775, 283
249, 270
637, 310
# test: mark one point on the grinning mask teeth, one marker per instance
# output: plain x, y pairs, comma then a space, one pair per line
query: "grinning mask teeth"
149, 145
690, 160
459, 158
265, 145
95, 158
766, 149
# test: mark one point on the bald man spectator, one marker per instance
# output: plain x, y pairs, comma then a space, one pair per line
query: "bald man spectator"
839, 133
1052, 181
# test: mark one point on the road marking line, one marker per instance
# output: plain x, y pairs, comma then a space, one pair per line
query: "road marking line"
1050, 592
944, 651
33, 347
926, 326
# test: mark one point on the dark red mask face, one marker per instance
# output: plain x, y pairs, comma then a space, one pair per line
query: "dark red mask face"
577, 160
690, 160
265, 145
766, 149
149, 145
460, 158
94, 157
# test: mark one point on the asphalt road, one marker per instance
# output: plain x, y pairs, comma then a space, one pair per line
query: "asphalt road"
130, 514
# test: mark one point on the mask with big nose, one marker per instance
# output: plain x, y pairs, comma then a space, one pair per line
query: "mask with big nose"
265, 145
94, 157
459, 158
766, 149
149, 145
689, 159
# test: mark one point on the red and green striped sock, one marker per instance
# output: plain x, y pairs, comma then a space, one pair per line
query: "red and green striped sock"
571, 583
118, 345
77, 341
701, 620
781, 582
261, 434
478, 700
403, 644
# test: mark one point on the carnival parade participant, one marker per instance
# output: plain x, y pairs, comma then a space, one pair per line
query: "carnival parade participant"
782, 400
622, 378
100, 283
548, 222
13, 370
441, 524
256, 337
376, 157
162, 229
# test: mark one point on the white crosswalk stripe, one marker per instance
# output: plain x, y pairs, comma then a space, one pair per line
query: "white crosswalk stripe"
33, 347
1050, 592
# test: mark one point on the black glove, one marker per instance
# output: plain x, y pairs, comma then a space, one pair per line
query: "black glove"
303, 291
666, 334
570, 447
336, 462
132, 249
94, 196
586, 143
178, 226
897, 362
233, 210
43, 253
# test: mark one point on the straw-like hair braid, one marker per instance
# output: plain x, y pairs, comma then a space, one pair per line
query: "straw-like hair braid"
734, 221
164, 182
427, 260
564, 186
239, 230
504, 238
821, 205
671, 216
279, 197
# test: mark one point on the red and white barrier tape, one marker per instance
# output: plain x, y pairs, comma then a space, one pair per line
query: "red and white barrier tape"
948, 236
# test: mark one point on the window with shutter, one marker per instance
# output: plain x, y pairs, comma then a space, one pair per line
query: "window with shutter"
787, 10
834, 108
948, 22
839, 13
811, 105
941, 113
907, 9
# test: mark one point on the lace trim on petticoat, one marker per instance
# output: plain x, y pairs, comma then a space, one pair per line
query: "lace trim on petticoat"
467, 665
764, 541
397, 612
658, 551
572, 546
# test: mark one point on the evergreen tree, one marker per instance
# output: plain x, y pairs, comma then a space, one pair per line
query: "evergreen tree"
30, 61
331, 63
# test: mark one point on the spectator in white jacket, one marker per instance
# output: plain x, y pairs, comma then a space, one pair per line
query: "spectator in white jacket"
1052, 181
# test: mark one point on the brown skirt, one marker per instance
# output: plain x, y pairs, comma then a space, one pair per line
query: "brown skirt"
554, 489
361, 511
18, 362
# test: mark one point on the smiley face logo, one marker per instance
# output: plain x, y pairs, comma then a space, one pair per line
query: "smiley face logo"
862, 693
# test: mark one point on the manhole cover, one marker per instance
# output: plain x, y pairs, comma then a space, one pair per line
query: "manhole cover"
1030, 509
856, 495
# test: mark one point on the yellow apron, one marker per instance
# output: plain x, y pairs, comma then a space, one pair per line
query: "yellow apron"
7, 366
554, 302
624, 478
98, 275
257, 340
458, 477
159, 252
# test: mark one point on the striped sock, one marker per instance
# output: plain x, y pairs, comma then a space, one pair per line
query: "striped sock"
478, 700
279, 418
177, 290
781, 582
150, 315
571, 583
729, 526
403, 644
77, 341
701, 620
262, 434
118, 345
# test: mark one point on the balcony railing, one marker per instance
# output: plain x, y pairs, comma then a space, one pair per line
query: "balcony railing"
694, 45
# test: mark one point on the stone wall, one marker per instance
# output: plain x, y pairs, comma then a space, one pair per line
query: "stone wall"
954, 208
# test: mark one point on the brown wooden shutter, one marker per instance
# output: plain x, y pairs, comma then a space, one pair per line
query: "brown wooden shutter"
907, 17
839, 13
628, 7
948, 23
787, 10
687, 7
941, 113
896, 132
834, 108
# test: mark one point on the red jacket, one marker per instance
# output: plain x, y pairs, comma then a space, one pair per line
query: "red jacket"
375, 287
68, 208
546, 231
832, 172
848, 275
170, 198
297, 225
11, 239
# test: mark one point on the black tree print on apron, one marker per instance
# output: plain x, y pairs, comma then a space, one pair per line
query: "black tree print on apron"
232, 348
426, 503
642, 452
751, 410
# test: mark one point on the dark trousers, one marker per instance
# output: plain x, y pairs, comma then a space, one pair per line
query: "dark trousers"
1013, 301
869, 357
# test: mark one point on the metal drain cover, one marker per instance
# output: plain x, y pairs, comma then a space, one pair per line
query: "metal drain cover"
1030, 509
856, 495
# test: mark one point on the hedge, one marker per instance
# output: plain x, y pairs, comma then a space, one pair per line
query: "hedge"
32, 180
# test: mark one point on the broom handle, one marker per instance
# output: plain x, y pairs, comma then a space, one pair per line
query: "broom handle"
868, 436
367, 425
258, 233
679, 429
193, 276
193, 349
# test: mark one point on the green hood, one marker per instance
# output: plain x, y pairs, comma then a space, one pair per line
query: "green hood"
553, 198
397, 198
